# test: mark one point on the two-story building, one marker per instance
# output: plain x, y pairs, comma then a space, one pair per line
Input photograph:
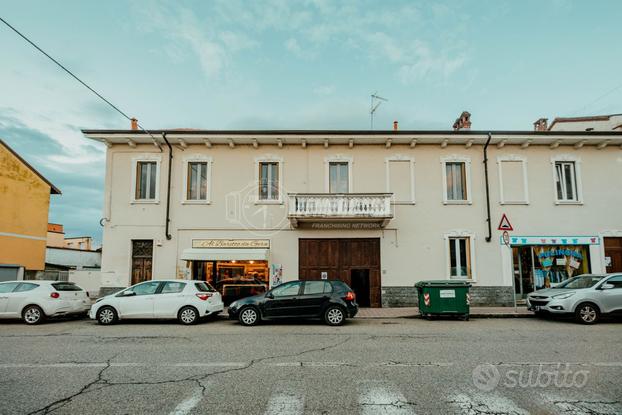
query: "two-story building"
380, 210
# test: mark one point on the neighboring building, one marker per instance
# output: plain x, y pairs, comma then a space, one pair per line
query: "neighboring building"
68, 254
56, 238
611, 122
24, 206
380, 210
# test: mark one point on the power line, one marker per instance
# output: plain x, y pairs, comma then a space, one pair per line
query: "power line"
76, 78
611, 91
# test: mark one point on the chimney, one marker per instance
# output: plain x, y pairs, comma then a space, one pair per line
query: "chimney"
395, 126
541, 124
134, 124
463, 122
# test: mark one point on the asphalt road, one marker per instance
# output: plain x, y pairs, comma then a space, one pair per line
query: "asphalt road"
401, 366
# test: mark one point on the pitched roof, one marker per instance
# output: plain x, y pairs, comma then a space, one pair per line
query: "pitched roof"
53, 189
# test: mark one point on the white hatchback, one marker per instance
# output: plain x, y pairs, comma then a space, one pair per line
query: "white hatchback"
34, 300
185, 300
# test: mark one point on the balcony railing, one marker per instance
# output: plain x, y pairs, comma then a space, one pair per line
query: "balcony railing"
345, 207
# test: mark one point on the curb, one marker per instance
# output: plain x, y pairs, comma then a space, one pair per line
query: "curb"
475, 315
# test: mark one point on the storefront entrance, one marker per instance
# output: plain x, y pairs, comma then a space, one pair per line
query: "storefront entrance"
613, 254
355, 261
234, 279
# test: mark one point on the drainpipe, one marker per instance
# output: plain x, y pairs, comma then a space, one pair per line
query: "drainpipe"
489, 237
168, 188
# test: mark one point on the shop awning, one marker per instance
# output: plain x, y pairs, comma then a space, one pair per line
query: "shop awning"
223, 254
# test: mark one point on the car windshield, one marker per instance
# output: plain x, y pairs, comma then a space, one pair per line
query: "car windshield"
581, 281
204, 287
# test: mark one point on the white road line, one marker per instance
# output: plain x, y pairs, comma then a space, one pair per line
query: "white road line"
188, 404
87, 365
286, 398
486, 403
379, 397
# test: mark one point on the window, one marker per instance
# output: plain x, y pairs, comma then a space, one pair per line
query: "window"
566, 181
460, 257
204, 287
197, 181
339, 177
145, 288
268, 180
173, 287
287, 289
512, 179
66, 286
316, 287
400, 171
8, 287
26, 286
615, 281
456, 187
146, 180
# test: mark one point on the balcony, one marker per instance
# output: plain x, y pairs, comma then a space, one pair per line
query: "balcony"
340, 210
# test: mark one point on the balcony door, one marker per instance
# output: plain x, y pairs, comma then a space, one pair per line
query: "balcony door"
339, 177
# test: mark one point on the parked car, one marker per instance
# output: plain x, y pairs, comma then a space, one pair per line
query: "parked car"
332, 301
185, 300
586, 296
33, 301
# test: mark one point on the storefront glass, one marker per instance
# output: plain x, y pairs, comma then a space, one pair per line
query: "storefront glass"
233, 279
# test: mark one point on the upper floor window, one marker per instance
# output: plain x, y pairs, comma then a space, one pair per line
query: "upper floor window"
339, 177
456, 179
146, 180
513, 187
566, 181
197, 181
268, 180
400, 171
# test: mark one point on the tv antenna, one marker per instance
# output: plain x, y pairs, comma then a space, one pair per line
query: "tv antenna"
376, 100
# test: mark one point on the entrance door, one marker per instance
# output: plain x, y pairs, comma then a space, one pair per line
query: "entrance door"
360, 284
142, 260
613, 254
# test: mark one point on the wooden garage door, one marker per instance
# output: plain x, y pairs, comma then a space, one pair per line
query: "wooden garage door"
338, 257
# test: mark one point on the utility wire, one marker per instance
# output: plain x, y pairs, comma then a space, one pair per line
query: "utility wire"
611, 91
77, 79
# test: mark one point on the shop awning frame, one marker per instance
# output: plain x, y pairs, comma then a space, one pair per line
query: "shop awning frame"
224, 254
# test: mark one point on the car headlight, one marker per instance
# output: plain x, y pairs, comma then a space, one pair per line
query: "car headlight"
563, 296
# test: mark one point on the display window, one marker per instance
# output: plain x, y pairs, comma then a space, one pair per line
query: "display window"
234, 279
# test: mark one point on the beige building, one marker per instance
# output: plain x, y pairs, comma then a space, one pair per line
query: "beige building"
380, 210
56, 239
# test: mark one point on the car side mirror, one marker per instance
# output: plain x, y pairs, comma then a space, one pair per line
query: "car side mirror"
607, 286
128, 294
270, 295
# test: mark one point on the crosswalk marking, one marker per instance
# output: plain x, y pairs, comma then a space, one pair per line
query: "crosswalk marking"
385, 398
485, 403
188, 404
287, 398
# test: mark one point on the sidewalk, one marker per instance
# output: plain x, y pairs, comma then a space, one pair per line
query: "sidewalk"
476, 312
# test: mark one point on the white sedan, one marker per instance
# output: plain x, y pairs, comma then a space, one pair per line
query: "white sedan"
184, 300
34, 300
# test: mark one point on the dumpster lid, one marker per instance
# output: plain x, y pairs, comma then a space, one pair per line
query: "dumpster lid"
443, 283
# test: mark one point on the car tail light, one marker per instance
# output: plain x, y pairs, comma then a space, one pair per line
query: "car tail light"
350, 296
204, 296
54, 295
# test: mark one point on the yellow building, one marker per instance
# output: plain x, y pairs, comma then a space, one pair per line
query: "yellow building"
24, 206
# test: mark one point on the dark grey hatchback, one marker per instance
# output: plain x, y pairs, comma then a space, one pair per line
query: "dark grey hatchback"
332, 301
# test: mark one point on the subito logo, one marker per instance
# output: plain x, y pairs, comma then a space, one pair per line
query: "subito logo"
486, 377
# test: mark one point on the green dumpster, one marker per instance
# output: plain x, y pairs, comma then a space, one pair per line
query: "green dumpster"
443, 297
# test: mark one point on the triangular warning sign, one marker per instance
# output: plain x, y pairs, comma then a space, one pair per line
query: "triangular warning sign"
505, 224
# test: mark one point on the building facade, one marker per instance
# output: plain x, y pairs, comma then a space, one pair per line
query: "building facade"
380, 210
24, 205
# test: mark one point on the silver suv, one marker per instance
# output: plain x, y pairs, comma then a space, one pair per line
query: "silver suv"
586, 296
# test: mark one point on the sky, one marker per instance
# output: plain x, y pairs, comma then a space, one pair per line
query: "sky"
290, 64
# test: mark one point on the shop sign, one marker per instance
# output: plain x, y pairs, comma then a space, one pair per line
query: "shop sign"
448, 293
553, 240
231, 243
346, 225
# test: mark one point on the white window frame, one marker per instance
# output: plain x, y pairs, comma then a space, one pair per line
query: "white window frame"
149, 158
455, 158
577, 173
337, 158
523, 161
460, 234
411, 163
186, 164
269, 158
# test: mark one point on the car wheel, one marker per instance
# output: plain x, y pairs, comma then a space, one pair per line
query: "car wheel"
188, 315
106, 316
334, 316
249, 316
587, 313
33, 314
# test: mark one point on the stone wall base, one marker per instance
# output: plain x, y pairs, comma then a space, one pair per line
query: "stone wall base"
494, 296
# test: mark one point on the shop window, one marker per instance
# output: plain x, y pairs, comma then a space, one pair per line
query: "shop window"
566, 181
456, 180
269, 181
339, 177
146, 180
401, 178
460, 257
512, 180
